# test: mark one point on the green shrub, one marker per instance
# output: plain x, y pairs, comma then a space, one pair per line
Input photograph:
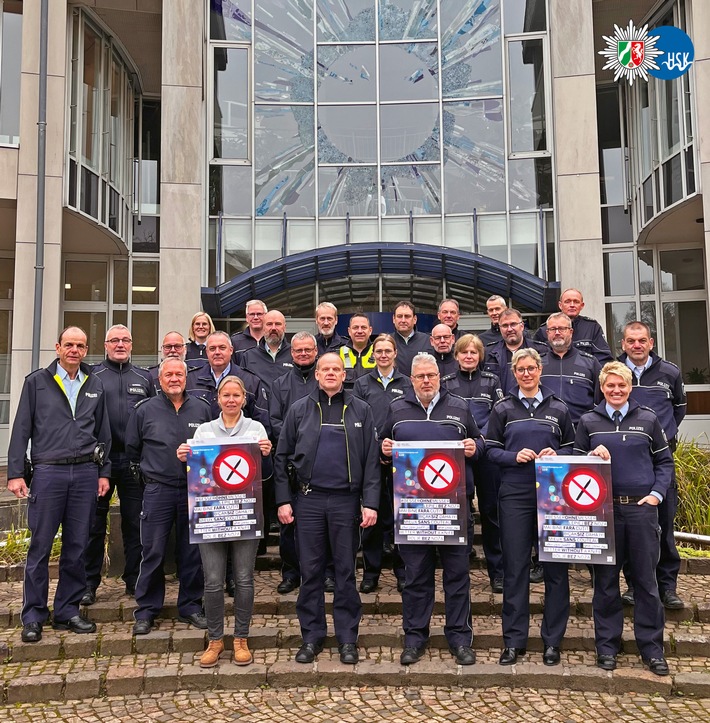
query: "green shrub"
13, 549
692, 462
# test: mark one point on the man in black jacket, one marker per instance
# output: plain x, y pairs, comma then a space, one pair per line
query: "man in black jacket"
249, 337
125, 385
157, 427
62, 412
409, 342
328, 438
271, 357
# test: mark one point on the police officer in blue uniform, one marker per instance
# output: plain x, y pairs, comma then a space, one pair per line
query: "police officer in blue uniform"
428, 413
287, 389
500, 354
442, 341
379, 388
62, 412
249, 337
271, 357
658, 384
449, 313
125, 385
201, 326
587, 334
173, 347
528, 423
481, 390
569, 373
356, 351
495, 306
633, 439
409, 342
327, 337
329, 439
157, 427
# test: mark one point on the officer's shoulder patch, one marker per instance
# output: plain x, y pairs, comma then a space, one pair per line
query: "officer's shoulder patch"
448, 377
493, 343
143, 401
32, 373
585, 354
488, 375
586, 318
202, 399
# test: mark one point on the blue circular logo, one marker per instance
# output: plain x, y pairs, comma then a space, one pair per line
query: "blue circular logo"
678, 52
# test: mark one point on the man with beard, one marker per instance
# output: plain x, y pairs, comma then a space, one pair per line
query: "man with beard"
326, 320
271, 357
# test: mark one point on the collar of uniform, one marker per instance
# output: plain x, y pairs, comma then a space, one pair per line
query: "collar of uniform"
64, 375
338, 397
633, 366
117, 366
470, 375
610, 410
225, 373
539, 396
432, 403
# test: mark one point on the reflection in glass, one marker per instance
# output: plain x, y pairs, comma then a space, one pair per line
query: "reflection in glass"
236, 242
409, 132
407, 19
686, 340
347, 134
524, 240
283, 50
230, 190
85, 281
230, 103
611, 154
527, 96
347, 190
646, 274
284, 159
7, 278
648, 316
670, 118
493, 237
616, 225
470, 48
144, 330
682, 270
92, 101
474, 171
120, 282
11, 47
410, 188
230, 19
689, 170
346, 73
647, 135
672, 180
145, 287
530, 183
150, 161
146, 235
619, 274
617, 316
524, 16
345, 20
647, 191
409, 72
5, 356
268, 241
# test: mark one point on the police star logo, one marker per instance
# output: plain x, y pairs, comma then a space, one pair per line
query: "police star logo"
631, 52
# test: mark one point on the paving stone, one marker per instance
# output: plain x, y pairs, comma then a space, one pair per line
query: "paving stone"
187, 641
381, 635
82, 684
432, 672
699, 566
128, 607
331, 672
157, 641
80, 646
35, 689
46, 649
685, 644
239, 677
161, 679
376, 673
5, 617
287, 673
587, 678
532, 675
116, 644
636, 680
697, 684
484, 675
102, 612
262, 638
703, 612
124, 680
192, 677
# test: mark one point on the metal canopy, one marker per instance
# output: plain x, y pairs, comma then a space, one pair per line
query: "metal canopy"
459, 268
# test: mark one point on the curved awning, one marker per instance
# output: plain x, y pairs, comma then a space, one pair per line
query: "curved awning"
333, 262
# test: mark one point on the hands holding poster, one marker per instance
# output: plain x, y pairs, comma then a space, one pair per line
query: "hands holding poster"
575, 512
224, 490
429, 482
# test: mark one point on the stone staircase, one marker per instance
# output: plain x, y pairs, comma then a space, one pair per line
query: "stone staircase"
65, 666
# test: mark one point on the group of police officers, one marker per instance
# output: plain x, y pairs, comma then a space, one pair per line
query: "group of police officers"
333, 406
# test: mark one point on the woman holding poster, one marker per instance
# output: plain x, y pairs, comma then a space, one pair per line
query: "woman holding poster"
526, 424
231, 395
631, 437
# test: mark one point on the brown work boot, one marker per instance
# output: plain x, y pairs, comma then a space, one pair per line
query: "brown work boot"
210, 657
242, 655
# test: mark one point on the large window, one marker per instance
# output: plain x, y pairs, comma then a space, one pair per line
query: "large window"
7, 281
379, 120
10, 62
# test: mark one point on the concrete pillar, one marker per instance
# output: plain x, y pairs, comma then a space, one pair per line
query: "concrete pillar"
576, 151
27, 190
182, 199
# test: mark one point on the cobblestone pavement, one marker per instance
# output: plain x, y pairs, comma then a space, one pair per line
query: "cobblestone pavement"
346, 705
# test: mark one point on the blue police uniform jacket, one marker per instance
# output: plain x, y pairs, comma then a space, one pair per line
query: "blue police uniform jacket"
258, 361
450, 419
446, 362
195, 350
498, 359
661, 388
44, 415
288, 388
574, 378
125, 385
407, 349
154, 370
155, 431
241, 341
587, 335
370, 389
331, 344
479, 388
491, 335
200, 383
512, 427
641, 460
298, 444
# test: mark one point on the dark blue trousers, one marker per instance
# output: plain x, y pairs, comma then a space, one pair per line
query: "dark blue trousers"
637, 541
373, 538
130, 497
66, 495
487, 480
163, 507
669, 561
517, 504
328, 519
418, 593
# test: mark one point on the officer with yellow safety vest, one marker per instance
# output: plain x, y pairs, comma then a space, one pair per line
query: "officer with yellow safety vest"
357, 355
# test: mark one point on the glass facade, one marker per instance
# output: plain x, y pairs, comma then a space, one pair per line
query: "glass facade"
10, 61
378, 120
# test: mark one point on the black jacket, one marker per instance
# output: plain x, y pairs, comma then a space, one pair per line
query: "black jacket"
407, 349
155, 431
125, 385
44, 416
331, 344
587, 335
298, 443
491, 335
195, 350
258, 361
498, 359
287, 389
241, 341
369, 388
446, 362
480, 389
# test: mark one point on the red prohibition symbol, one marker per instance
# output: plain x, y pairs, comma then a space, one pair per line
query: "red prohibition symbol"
437, 474
233, 470
584, 489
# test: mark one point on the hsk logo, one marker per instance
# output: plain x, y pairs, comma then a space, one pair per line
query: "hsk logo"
665, 53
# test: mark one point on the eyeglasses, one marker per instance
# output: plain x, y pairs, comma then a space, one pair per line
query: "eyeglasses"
560, 329
512, 325
116, 340
310, 350
526, 370
422, 377
176, 347
443, 337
